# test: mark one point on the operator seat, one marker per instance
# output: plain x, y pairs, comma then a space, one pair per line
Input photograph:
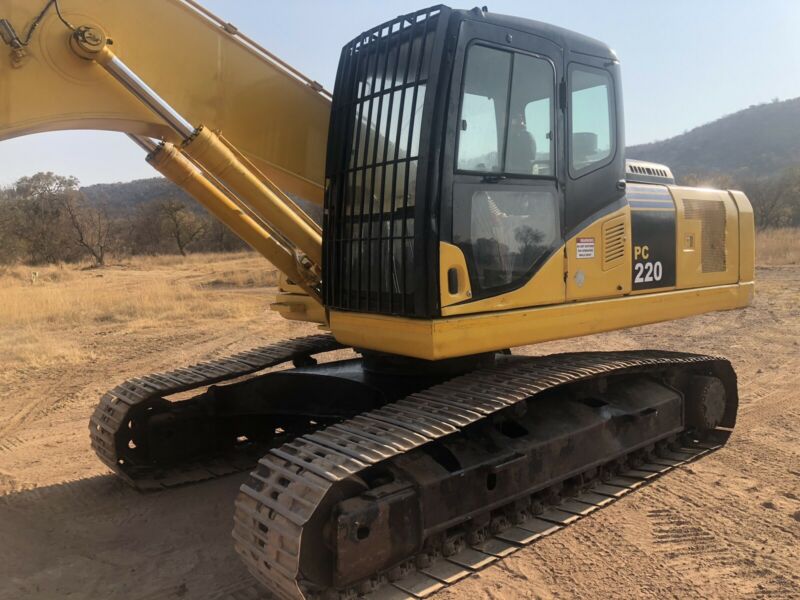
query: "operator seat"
521, 149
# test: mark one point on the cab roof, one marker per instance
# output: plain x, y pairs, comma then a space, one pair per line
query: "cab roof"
567, 39
564, 38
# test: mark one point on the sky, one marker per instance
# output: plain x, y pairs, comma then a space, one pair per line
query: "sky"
684, 63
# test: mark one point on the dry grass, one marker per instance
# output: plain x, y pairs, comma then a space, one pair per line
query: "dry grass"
190, 261
778, 247
90, 299
44, 319
34, 348
148, 288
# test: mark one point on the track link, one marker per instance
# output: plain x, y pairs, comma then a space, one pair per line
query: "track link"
112, 426
290, 489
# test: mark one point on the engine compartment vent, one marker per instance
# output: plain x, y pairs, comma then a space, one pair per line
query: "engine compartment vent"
613, 242
711, 214
639, 171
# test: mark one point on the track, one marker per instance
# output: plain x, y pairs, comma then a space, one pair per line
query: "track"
290, 489
292, 482
114, 425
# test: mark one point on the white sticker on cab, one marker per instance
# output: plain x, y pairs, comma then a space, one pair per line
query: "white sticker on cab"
585, 247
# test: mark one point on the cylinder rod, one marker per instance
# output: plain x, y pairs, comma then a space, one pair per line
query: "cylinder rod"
145, 143
134, 84
207, 149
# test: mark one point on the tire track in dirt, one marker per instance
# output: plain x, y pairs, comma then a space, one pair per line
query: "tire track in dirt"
10, 444
58, 391
689, 547
134, 358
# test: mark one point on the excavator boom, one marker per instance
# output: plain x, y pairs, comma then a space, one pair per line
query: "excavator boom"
202, 67
96, 81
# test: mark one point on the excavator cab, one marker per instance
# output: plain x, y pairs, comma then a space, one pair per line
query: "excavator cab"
464, 149
477, 196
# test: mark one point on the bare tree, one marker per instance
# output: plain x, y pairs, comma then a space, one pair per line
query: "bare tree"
775, 200
142, 231
45, 218
92, 227
182, 225
9, 243
219, 238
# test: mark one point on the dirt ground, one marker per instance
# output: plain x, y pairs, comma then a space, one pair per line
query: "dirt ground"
727, 526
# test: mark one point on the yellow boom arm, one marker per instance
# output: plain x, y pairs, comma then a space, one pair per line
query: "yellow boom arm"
170, 70
204, 69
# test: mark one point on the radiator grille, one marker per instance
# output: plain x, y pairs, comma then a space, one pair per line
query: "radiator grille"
711, 214
613, 242
371, 212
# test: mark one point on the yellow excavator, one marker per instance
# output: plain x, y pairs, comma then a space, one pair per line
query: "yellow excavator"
476, 198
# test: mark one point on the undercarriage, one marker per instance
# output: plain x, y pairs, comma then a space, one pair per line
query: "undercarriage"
379, 475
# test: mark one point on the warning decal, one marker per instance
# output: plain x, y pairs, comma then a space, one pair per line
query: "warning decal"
585, 247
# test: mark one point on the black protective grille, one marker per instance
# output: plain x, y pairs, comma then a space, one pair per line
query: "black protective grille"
371, 212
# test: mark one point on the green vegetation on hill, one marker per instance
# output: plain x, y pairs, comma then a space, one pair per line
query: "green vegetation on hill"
756, 150
123, 197
47, 218
760, 141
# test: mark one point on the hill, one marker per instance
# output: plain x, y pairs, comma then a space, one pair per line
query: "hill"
756, 142
121, 198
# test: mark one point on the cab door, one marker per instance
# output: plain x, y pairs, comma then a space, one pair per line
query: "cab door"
501, 174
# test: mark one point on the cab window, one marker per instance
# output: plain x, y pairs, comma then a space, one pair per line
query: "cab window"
592, 142
507, 114
504, 231
529, 146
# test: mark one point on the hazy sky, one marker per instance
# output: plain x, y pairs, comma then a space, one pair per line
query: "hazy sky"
684, 63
